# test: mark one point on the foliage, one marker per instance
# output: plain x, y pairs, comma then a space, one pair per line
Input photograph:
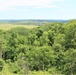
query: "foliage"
49, 49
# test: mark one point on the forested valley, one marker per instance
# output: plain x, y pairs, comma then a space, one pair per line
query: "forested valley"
49, 49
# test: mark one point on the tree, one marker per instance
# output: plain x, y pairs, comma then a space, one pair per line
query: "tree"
70, 62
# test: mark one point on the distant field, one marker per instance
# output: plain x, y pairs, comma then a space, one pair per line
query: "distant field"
9, 26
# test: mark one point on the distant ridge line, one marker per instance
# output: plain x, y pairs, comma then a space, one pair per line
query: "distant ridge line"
33, 20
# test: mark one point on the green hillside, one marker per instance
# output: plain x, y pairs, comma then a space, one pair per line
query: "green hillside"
10, 26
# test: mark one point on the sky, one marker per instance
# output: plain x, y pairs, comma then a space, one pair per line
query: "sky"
37, 9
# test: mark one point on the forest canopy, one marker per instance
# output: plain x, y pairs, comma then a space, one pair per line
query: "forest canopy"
48, 48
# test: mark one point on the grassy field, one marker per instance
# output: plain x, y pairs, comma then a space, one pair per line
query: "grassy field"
9, 26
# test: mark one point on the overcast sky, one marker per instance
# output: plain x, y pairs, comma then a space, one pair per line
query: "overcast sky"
37, 9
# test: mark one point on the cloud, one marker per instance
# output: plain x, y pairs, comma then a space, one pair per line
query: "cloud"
62, 10
11, 4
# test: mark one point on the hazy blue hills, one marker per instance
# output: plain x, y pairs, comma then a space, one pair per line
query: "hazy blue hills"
30, 22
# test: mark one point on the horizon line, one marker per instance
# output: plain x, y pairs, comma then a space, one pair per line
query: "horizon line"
36, 19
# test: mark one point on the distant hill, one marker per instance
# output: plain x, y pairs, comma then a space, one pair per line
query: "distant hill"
30, 22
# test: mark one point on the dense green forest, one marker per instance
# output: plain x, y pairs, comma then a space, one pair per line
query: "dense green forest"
49, 49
